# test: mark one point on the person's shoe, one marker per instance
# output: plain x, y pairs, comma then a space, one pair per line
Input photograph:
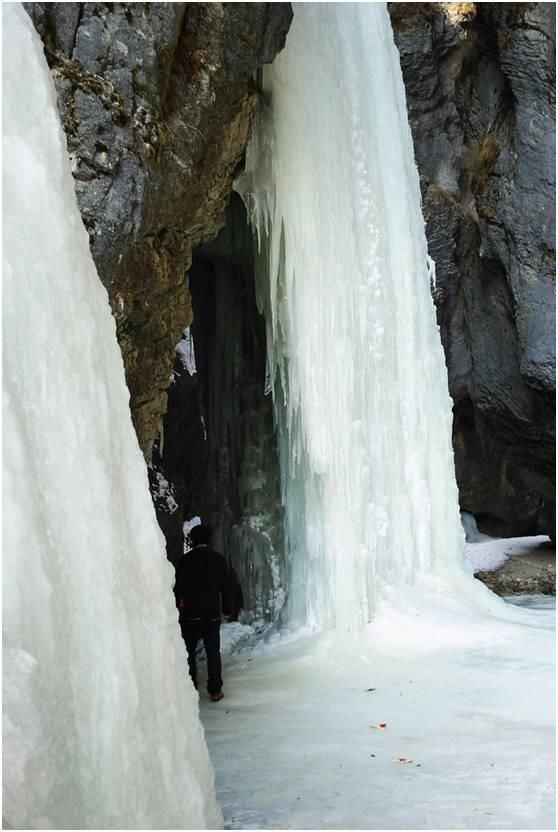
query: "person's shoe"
216, 697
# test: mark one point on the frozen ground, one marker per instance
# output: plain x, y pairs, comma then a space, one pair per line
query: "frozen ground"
471, 704
514, 565
490, 553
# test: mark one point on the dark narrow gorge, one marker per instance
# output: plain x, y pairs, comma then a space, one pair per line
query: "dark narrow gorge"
287, 269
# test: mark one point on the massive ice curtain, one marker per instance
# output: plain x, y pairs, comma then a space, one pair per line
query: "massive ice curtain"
355, 359
101, 728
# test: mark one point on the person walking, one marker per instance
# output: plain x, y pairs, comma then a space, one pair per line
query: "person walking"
202, 589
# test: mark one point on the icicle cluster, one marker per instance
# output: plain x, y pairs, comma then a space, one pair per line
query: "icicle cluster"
355, 360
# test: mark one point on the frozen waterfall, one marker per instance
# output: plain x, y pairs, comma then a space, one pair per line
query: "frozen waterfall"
101, 726
355, 358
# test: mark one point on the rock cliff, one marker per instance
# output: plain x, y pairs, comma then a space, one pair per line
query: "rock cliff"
156, 100
480, 86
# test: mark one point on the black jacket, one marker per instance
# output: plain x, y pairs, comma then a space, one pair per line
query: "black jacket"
202, 584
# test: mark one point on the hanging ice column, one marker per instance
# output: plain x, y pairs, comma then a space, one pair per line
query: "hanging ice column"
100, 721
355, 359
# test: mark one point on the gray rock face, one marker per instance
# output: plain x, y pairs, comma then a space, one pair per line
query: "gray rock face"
156, 101
481, 101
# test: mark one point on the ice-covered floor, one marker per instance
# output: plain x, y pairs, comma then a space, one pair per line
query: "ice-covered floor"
294, 743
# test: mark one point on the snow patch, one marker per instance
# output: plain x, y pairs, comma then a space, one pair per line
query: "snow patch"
294, 745
494, 552
163, 490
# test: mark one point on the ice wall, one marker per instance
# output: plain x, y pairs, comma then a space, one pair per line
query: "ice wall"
100, 728
357, 368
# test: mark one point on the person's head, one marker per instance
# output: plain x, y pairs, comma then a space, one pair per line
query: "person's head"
200, 535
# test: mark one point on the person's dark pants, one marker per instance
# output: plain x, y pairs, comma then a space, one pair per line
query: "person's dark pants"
207, 629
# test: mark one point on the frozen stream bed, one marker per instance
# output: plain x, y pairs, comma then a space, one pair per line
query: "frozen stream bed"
471, 704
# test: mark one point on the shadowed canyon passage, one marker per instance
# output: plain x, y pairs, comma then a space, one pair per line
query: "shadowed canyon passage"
220, 426
318, 440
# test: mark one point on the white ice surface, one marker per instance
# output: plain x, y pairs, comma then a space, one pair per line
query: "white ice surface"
101, 727
470, 702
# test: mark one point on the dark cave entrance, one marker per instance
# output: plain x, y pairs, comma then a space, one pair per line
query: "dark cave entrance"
216, 456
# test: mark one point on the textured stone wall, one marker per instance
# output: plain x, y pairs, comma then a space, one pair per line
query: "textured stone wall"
480, 86
156, 100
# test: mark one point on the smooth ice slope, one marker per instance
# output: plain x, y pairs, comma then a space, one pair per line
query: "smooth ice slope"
357, 368
101, 726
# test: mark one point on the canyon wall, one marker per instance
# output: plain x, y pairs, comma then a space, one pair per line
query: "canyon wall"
156, 101
480, 84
